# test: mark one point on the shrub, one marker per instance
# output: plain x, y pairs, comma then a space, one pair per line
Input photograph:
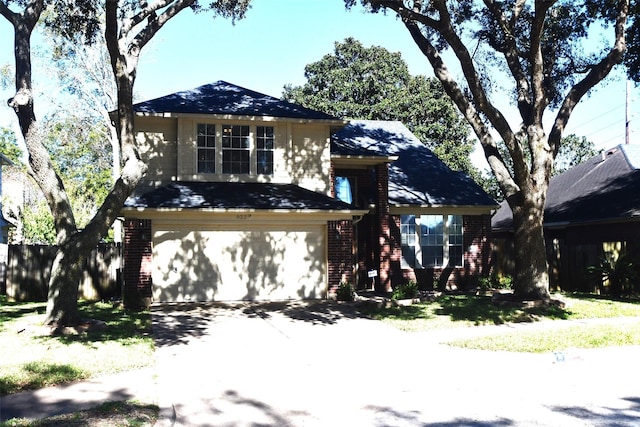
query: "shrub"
345, 292
496, 281
406, 290
620, 275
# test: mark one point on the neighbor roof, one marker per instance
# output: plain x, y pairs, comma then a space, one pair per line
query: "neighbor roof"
417, 177
604, 188
226, 98
235, 195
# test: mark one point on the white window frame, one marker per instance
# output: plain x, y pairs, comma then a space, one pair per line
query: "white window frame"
204, 146
264, 149
252, 148
413, 240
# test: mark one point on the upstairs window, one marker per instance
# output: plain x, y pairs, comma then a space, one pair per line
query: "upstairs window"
431, 241
236, 149
264, 150
206, 148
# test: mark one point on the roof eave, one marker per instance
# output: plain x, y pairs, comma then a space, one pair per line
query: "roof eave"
242, 117
129, 211
400, 209
346, 160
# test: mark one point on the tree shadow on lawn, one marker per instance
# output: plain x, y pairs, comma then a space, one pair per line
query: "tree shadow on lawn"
467, 308
480, 310
103, 322
15, 310
40, 374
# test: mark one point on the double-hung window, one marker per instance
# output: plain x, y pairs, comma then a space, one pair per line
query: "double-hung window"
235, 149
264, 150
206, 148
431, 241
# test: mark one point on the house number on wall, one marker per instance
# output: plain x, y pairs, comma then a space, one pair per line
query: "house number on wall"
243, 216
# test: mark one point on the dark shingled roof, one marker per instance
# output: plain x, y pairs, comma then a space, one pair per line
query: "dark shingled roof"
226, 98
600, 189
235, 195
417, 177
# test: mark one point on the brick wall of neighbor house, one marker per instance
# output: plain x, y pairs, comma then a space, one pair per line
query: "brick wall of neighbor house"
340, 253
477, 258
137, 264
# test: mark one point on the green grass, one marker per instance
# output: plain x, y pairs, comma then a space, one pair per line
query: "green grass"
452, 311
32, 359
593, 336
459, 311
133, 414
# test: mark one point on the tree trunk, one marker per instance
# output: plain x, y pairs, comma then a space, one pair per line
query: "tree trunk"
531, 281
66, 272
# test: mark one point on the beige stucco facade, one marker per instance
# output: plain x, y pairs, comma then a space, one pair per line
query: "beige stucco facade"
237, 254
301, 152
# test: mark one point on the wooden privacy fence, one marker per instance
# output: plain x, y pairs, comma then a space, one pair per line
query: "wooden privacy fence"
26, 270
568, 263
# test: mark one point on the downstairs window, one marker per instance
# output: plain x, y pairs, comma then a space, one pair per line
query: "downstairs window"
431, 241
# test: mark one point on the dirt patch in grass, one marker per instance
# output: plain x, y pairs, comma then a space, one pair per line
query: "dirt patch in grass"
109, 414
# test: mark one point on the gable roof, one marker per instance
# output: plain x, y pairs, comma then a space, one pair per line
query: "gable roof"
604, 188
235, 195
228, 99
417, 176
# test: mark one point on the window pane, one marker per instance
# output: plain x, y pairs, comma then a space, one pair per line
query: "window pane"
264, 145
236, 145
408, 240
455, 241
455, 256
431, 240
265, 162
206, 143
235, 161
432, 256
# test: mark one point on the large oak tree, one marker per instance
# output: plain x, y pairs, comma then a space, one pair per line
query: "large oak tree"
536, 53
371, 83
129, 26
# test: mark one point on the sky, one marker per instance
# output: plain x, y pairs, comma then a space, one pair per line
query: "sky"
272, 45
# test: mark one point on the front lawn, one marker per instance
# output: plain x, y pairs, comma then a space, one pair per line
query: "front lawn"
459, 311
33, 359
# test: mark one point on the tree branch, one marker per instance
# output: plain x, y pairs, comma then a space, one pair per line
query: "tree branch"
512, 55
595, 76
467, 109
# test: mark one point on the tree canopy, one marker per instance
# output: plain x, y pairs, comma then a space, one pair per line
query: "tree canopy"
536, 54
371, 83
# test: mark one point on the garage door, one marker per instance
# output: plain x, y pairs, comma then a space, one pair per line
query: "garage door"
225, 264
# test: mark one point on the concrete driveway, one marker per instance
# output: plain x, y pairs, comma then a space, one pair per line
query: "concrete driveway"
322, 364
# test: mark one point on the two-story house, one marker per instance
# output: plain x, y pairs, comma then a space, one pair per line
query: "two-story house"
249, 197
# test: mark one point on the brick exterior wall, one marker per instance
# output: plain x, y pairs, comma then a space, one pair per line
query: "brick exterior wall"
340, 253
384, 230
137, 267
477, 258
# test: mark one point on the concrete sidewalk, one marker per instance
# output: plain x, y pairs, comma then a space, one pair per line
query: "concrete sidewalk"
137, 385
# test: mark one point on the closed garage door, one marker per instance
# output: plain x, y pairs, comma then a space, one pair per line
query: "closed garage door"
223, 263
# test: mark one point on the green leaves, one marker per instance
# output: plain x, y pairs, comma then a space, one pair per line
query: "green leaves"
372, 83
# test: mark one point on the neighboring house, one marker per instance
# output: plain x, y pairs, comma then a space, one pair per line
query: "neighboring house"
592, 212
239, 203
